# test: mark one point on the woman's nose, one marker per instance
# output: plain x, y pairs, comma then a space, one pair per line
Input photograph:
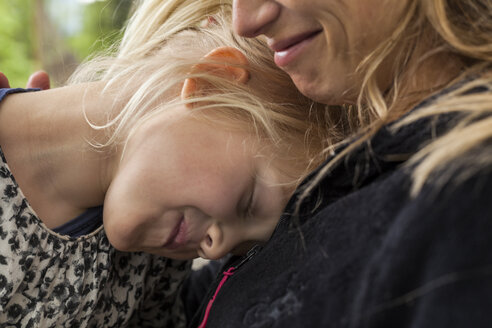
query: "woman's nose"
251, 17
215, 245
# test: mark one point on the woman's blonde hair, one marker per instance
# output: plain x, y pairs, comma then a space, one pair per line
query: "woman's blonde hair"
457, 28
163, 40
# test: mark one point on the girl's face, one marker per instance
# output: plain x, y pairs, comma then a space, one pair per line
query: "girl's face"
320, 43
187, 188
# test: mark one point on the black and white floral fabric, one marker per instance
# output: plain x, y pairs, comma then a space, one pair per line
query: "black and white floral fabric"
48, 280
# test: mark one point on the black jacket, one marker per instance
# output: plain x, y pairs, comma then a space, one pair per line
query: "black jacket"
363, 253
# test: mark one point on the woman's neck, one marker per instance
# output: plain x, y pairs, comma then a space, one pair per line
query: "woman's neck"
427, 73
44, 136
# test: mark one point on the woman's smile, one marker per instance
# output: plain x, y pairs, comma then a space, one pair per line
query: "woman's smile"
289, 49
321, 43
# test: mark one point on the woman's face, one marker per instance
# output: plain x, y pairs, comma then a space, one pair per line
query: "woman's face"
188, 188
320, 43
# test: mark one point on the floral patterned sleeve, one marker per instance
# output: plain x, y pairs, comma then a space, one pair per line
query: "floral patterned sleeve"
162, 305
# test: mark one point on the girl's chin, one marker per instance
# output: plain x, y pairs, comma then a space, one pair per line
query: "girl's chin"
184, 256
174, 255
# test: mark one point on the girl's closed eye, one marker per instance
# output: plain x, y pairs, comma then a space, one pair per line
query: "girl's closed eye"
250, 206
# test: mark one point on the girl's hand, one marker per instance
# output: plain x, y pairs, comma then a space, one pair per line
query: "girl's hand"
38, 79
4, 82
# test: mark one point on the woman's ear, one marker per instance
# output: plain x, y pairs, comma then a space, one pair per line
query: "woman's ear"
227, 62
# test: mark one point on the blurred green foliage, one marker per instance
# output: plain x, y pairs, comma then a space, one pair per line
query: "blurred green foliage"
17, 58
33, 34
102, 23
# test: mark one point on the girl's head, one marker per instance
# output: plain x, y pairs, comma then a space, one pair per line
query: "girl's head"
213, 142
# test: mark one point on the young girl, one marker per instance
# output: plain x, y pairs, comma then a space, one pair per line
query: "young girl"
182, 140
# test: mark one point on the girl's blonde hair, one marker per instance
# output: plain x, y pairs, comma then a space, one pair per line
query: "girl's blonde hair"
165, 39
457, 28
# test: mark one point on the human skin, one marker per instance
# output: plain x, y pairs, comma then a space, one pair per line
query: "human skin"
183, 187
320, 43
39, 79
212, 184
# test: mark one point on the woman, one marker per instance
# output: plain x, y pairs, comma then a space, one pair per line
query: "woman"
394, 230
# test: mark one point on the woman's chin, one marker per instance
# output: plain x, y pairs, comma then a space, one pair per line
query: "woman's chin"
308, 86
330, 94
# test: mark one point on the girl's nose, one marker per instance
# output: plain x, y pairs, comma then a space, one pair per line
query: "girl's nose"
215, 245
250, 17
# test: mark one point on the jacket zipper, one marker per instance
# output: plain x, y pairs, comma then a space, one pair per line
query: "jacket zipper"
225, 276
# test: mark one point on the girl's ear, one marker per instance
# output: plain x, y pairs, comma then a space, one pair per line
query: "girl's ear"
227, 62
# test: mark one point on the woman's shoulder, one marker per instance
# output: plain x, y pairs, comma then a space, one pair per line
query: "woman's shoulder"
450, 166
435, 258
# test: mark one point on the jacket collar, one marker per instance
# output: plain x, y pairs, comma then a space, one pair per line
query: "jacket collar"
387, 150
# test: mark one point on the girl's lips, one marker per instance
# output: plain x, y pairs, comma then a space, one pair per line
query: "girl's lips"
288, 50
178, 235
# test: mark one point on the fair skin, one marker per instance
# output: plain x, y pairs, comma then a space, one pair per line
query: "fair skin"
320, 44
183, 187
39, 79
208, 190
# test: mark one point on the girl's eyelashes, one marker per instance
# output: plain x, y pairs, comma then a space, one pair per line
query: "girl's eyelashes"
249, 211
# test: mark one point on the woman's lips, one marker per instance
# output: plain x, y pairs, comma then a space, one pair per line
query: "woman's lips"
178, 235
288, 50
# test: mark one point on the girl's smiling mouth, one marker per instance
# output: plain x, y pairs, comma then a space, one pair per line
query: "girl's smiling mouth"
178, 235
